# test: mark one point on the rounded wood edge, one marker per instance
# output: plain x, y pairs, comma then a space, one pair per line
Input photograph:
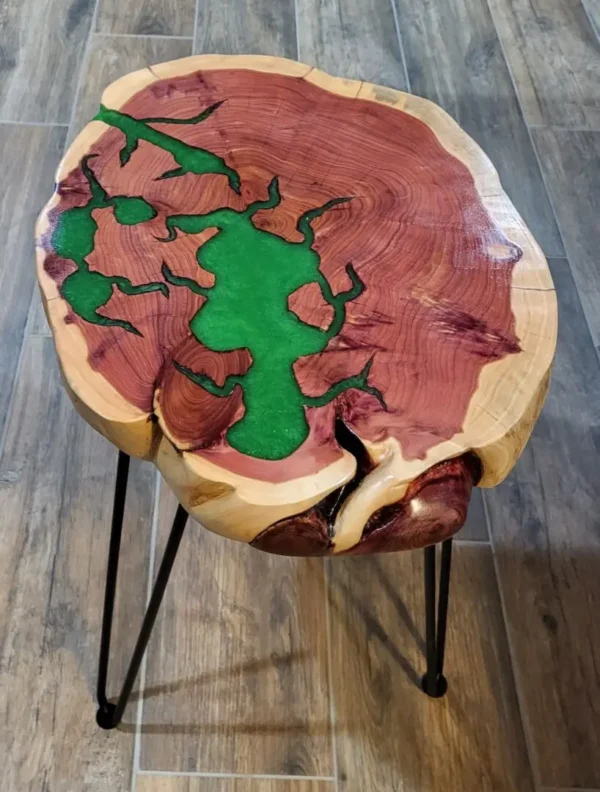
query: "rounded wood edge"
87, 388
519, 383
236, 506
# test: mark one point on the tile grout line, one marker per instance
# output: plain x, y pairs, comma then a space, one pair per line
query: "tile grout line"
135, 770
297, 30
332, 708
82, 70
400, 44
13, 393
142, 35
32, 123
256, 776
560, 128
569, 789
471, 542
525, 721
596, 33
195, 31
529, 131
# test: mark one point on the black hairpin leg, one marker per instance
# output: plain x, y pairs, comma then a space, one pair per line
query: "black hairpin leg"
434, 682
109, 715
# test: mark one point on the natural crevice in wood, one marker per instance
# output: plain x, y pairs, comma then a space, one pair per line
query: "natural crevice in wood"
433, 509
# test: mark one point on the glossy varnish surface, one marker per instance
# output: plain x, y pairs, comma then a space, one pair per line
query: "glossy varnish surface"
219, 333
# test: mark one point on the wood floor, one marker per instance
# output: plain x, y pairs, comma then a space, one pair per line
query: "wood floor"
269, 674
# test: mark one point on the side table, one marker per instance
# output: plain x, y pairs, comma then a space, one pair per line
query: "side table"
308, 301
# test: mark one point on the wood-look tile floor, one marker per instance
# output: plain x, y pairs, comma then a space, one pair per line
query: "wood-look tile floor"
269, 674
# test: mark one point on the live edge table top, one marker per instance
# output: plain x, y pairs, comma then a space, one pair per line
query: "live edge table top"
307, 299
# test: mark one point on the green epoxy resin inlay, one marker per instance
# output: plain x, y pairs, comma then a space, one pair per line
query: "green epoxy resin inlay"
73, 238
190, 159
255, 272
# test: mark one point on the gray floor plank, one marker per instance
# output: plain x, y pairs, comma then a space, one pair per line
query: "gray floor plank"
390, 736
352, 38
454, 57
111, 57
546, 532
42, 50
28, 158
56, 484
475, 528
247, 27
147, 17
553, 54
37, 324
571, 162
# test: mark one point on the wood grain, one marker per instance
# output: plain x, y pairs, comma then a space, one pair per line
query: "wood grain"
471, 240
465, 72
353, 38
570, 162
553, 54
253, 26
148, 783
342, 39
544, 523
57, 480
147, 17
109, 57
42, 49
28, 159
389, 735
237, 671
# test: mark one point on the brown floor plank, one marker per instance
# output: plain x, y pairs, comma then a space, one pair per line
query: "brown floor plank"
545, 527
571, 162
57, 478
389, 734
260, 27
147, 783
553, 54
454, 57
42, 50
110, 57
147, 17
28, 158
237, 673
351, 38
